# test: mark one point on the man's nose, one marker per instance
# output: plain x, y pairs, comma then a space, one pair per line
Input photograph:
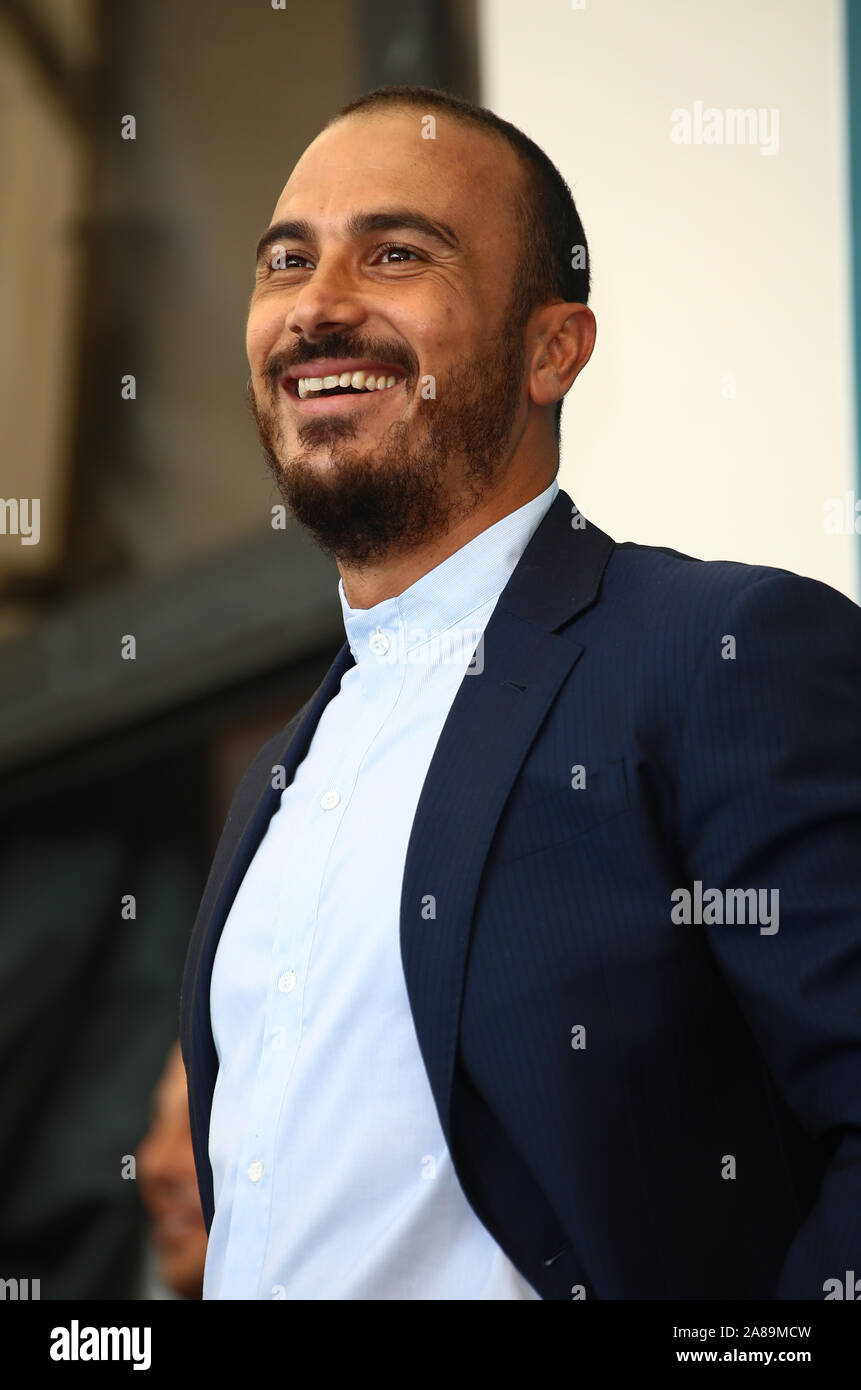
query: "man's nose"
329, 301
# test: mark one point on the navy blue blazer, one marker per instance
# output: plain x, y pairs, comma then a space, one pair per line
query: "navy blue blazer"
637, 1107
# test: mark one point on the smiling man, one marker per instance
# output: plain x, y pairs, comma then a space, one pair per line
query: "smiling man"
445, 1032
387, 348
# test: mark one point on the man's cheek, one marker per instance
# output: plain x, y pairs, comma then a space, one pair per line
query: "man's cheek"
260, 337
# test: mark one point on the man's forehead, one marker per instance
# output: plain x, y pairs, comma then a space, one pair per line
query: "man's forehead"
367, 157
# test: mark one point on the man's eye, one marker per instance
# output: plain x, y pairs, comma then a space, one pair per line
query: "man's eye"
280, 259
393, 246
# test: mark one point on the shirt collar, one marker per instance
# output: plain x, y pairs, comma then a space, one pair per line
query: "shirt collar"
447, 594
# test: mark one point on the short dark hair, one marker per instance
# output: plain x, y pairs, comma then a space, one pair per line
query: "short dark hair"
551, 233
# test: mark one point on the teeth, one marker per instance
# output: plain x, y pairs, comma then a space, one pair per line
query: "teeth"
360, 381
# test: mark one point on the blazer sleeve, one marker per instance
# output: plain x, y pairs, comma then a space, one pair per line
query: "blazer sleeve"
769, 797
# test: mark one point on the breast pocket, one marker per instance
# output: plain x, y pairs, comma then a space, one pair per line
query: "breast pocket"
528, 826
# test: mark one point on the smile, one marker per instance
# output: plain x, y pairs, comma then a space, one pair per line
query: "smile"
337, 389
350, 382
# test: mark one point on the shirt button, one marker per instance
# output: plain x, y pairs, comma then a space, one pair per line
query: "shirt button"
379, 643
255, 1171
330, 799
287, 981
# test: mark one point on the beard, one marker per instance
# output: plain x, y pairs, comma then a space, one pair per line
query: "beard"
365, 504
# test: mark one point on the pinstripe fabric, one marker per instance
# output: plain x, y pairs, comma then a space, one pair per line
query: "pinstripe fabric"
637, 1108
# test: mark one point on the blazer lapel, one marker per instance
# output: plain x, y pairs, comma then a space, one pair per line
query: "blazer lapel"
484, 742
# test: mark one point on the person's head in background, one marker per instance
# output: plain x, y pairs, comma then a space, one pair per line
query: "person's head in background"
168, 1185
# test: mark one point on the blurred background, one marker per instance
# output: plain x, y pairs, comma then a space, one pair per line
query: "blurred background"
718, 416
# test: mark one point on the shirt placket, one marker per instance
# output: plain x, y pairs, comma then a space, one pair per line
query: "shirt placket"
262, 1157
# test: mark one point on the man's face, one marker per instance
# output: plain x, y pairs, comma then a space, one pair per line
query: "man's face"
374, 473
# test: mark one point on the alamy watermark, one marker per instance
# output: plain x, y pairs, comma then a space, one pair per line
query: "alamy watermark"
20, 1290
736, 125
402, 644
19, 516
728, 906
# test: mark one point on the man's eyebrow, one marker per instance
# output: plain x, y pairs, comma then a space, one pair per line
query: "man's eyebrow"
360, 224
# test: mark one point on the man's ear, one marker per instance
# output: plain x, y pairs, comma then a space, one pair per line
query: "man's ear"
566, 335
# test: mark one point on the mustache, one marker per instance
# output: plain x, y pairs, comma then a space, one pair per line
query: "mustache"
335, 345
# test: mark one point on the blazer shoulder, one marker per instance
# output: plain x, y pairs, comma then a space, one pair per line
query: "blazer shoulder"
664, 581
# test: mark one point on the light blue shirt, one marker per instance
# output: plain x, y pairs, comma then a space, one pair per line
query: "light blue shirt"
332, 1178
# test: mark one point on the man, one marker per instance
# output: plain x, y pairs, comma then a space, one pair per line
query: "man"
530, 960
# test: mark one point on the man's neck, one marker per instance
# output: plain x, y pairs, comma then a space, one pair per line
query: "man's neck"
366, 586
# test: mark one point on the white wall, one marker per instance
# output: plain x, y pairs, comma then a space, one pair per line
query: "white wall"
709, 261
